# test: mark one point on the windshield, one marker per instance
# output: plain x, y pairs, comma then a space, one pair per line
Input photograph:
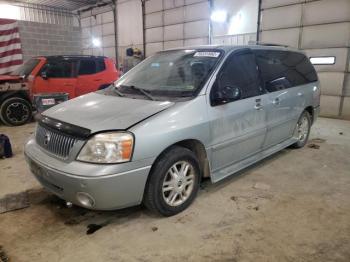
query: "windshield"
172, 72
25, 69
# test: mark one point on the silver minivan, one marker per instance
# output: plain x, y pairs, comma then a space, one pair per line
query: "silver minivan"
179, 116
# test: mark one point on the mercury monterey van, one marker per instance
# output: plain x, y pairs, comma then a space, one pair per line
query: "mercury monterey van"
179, 116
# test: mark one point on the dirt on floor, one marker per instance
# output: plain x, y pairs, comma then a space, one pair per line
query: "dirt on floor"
293, 206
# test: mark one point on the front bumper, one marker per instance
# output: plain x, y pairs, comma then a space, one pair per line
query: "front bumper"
119, 188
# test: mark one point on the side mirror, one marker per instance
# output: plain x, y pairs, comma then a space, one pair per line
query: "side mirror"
226, 95
44, 75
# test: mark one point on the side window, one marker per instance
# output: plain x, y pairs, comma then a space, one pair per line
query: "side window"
100, 65
284, 69
87, 67
240, 71
60, 69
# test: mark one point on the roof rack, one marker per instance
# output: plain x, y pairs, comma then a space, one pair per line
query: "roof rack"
73, 56
265, 44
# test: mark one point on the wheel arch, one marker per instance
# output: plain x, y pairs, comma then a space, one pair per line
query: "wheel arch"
10, 94
310, 110
197, 147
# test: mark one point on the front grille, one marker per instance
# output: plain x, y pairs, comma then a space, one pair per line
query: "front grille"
54, 141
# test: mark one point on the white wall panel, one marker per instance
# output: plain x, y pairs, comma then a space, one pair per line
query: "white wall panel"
326, 11
108, 29
109, 51
152, 48
274, 3
196, 42
347, 85
188, 2
130, 32
330, 105
97, 31
154, 34
174, 32
326, 36
154, 19
173, 44
197, 11
86, 32
196, 29
153, 6
287, 16
346, 108
340, 54
85, 22
174, 16
87, 52
107, 17
331, 83
288, 37
108, 41
173, 3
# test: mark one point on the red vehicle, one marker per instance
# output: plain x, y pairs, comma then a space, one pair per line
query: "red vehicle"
75, 75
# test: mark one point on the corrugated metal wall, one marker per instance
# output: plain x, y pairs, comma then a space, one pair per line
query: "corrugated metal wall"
98, 23
176, 23
241, 25
321, 28
47, 15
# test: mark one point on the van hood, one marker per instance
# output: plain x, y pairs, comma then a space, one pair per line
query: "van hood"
98, 112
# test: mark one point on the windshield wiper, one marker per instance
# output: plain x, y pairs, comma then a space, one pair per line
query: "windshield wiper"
144, 92
115, 89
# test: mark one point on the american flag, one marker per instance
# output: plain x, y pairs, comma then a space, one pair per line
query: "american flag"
10, 46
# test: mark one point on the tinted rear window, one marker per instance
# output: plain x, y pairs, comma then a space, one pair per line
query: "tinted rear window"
284, 69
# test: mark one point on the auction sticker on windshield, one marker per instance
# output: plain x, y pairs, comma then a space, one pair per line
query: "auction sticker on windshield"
207, 54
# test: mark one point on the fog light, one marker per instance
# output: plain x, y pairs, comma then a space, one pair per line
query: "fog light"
85, 199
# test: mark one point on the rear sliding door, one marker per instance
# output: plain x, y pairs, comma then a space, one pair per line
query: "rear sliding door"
284, 75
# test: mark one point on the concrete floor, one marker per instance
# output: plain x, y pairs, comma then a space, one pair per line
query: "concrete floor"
293, 206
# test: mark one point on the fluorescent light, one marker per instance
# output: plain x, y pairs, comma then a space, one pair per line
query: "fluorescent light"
96, 42
219, 16
9, 11
323, 60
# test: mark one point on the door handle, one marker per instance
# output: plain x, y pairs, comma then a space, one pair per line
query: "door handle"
276, 101
258, 105
98, 80
300, 94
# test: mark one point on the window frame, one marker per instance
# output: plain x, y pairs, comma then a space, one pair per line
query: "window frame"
80, 61
256, 51
224, 64
73, 61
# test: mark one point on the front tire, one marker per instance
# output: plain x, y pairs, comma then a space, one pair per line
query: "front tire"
173, 183
15, 111
302, 130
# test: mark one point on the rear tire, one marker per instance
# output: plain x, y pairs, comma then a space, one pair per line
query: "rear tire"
15, 111
302, 130
173, 183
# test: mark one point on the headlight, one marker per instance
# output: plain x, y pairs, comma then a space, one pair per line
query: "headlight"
111, 147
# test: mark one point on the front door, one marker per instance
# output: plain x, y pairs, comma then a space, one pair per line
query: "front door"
57, 76
238, 128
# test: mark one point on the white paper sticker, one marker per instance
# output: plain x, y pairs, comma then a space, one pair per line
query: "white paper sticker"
207, 54
48, 101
